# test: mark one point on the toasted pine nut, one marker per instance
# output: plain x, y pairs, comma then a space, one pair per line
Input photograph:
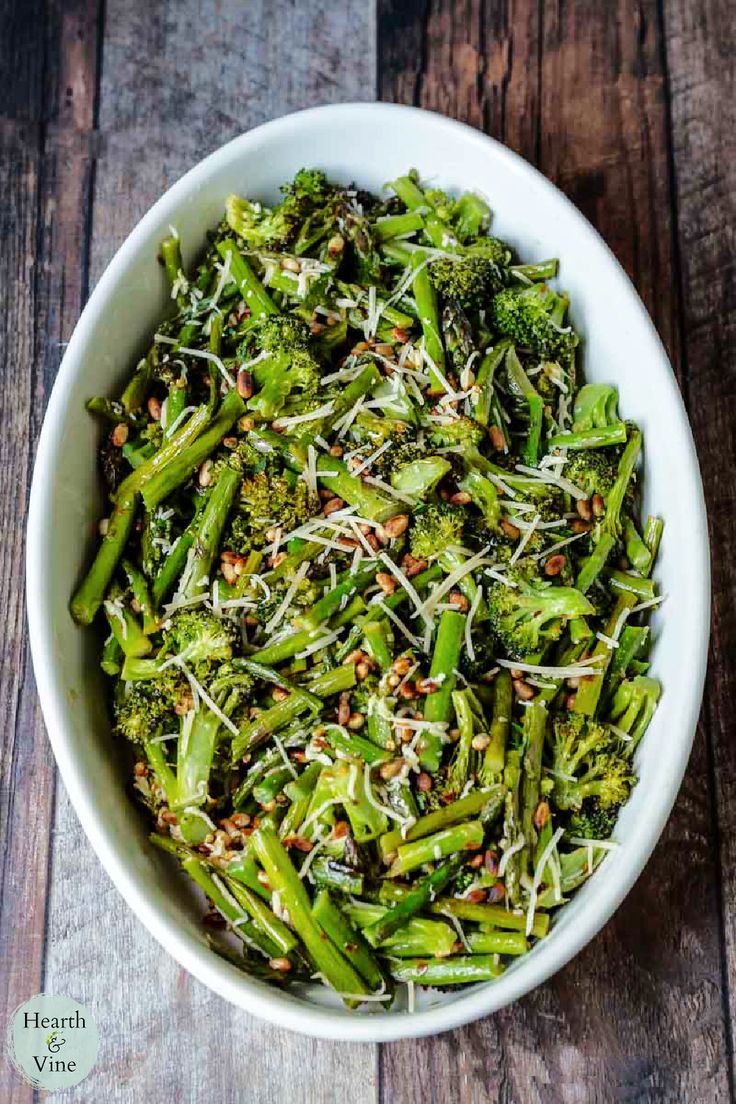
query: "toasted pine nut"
343, 709
424, 782
400, 335
362, 671
291, 264
279, 694
316, 328
459, 601
407, 691
333, 505
204, 477
584, 509
480, 742
580, 526
412, 566
523, 690
120, 435
391, 768
246, 423
396, 525
281, 964
245, 383
599, 506
384, 349
356, 721
554, 565
403, 665
335, 245
541, 815
510, 530
460, 498
154, 408
497, 438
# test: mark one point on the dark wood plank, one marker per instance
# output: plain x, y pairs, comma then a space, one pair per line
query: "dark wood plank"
638, 1015
178, 80
48, 65
701, 55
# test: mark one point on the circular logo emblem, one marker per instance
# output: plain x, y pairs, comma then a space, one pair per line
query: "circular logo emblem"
52, 1041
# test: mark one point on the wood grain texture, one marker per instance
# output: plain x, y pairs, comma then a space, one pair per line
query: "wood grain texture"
639, 1014
701, 56
48, 65
178, 81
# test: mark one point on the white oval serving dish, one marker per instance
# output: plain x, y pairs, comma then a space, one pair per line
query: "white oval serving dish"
369, 144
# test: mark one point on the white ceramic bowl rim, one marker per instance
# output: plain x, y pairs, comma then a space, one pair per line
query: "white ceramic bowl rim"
225, 979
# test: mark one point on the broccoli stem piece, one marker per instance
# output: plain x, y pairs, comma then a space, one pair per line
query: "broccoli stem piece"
172, 474
126, 628
497, 942
484, 495
412, 196
157, 761
458, 970
478, 802
262, 916
201, 556
347, 939
255, 732
535, 730
418, 478
541, 271
586, 698
472, 216
459, 837
250, 287
632, 644
329, 604
520, 383
142, 595
594, 563
624, 583
602, 437
494, 757
173, 565
335, 968
370, 503
438, 705
112, 656
394, 226
637, 551
419, 896
426, 300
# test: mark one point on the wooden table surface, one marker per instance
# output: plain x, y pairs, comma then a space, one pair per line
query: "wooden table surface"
630, 107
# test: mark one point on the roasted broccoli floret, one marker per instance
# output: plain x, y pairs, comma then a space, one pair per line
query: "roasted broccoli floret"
588, 761
435, 528
593, 470
268, 500
594, 821
533, 318
527, 617
470, 280
288, 368
199, 638
140, 708
462, 431
278, 227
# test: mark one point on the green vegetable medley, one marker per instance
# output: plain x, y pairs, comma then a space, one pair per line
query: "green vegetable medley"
376, 583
